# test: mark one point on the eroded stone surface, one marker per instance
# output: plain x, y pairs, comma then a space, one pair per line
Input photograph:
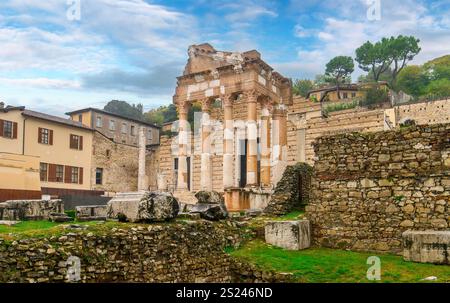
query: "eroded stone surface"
427, 246
291, 235
143, 207
91, 212
30, 209
210, 206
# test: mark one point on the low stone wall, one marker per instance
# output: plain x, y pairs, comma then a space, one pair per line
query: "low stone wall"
368, 189
188, 252
30, 209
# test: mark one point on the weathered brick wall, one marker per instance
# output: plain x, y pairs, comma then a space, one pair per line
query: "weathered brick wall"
368, 188
139, 253
425, 112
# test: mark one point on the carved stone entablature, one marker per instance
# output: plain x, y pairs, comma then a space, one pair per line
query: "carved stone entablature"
212, 74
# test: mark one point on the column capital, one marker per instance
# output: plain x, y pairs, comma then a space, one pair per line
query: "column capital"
251, 95
206, 104
279, 110
228, 99
183, 107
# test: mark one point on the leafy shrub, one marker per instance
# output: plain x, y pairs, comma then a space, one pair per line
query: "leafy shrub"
374, 96
70, 213
340, 106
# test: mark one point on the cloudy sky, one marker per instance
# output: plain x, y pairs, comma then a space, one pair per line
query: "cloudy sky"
55, 58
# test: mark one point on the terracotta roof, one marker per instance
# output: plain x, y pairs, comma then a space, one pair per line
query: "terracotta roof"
55, 119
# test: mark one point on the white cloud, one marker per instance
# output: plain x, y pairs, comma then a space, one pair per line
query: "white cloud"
42, 83
343, 33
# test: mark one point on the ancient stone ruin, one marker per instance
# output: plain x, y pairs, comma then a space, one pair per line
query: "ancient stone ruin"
367, 189
143, 207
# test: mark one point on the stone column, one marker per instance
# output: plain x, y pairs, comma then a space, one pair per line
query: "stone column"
280, 133
183, 109
252, 136
206, 165
142, 182
265, 144
279, 144
228, 136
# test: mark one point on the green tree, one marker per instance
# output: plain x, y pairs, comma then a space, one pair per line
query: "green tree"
401, 50
374, 58
440, 88
302, 87
340, 68
412, 80
162, 114
438, 68
134, 111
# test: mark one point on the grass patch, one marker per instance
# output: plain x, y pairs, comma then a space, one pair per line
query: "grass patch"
294, 215
41, 229
322, 265
27, 226
340, 106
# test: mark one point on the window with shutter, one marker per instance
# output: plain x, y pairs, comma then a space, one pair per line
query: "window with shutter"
67, 174
74, 178
51, 173
14, 130
43, 172
59, 173
39, 135
76, 142
44, 136
80, 177
8, 131
1, 127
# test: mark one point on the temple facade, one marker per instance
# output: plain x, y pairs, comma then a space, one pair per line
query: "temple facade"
238, 143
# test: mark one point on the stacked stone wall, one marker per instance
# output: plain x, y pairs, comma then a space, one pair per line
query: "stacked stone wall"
140, 253
368, 188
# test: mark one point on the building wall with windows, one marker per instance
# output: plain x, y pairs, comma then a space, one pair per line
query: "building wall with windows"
42, 153
10, 141
120, 129
66, 159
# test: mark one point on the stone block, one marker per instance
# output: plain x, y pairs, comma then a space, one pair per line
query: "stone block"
91, 213
291, 235
143, 207
30, 209
427, 246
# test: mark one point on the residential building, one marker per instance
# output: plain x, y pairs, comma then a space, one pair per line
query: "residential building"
344, 92
42, 154
119, 128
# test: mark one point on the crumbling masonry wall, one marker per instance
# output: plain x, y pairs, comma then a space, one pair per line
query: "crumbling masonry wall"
157, 253
367, 189
153, 253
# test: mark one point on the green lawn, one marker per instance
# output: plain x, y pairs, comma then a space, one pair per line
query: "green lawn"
28, 229
294, 215
27, 226
324, 265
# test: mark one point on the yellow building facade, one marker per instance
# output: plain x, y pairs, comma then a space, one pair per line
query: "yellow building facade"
40, 153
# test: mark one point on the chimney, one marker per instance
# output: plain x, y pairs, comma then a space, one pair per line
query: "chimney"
2, 105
